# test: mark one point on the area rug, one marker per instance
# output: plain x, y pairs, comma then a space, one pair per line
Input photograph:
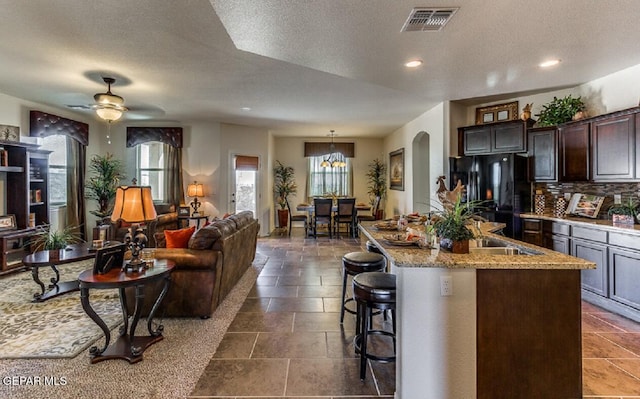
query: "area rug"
56, 328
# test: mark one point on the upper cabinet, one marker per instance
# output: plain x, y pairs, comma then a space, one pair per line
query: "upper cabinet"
543, 154
501, 137
573, 151
613, 141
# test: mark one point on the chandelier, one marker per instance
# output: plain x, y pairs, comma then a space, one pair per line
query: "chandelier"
333, 160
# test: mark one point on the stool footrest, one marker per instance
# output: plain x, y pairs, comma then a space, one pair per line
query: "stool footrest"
383, 359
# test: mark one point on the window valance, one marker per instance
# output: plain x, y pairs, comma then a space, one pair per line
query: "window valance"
42, 124
246, 163
166, 135
312, 149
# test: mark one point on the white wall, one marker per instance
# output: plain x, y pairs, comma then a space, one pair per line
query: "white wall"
433, 122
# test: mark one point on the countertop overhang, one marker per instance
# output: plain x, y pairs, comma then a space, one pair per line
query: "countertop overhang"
413, 256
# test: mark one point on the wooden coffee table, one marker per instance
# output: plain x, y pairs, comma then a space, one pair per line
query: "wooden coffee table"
128, 346
72, 253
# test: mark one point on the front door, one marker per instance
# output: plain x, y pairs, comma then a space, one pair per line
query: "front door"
244, 196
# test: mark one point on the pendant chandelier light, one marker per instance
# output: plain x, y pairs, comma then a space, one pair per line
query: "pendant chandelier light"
109, 106
333, 161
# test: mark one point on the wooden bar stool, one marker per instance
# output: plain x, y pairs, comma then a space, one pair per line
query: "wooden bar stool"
373, 291
354, 263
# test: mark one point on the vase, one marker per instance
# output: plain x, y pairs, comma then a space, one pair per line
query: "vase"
283, 218
54, 254
460, 247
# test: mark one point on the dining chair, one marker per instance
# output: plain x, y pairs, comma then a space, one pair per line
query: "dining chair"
298, 217
374, 211
346, 214
322, 214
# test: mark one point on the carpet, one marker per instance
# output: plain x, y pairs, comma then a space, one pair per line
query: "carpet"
56, 328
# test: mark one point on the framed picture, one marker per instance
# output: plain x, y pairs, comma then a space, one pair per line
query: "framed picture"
109, 258
588, 206
184, 211
396, 170
497, 113
8, 222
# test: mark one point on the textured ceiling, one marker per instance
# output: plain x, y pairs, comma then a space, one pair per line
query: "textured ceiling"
303, 67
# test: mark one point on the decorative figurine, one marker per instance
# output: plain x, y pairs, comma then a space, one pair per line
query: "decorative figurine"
526, 112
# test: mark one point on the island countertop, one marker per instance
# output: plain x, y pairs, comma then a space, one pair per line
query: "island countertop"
415, 257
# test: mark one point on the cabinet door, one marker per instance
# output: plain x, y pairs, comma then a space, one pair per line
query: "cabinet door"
557, 243
624, 274
543, 153
477, 140
592, 279
532, 231
613, 142
509, 137
574, 152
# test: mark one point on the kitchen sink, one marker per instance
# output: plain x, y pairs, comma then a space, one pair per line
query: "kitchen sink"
493, 246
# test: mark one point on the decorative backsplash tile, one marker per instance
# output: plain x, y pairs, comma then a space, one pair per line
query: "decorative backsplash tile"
553, 190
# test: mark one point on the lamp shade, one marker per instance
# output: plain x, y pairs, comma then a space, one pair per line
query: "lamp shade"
195, 190
133, 204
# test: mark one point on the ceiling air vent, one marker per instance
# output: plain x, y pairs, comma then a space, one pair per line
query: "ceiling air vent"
428, 19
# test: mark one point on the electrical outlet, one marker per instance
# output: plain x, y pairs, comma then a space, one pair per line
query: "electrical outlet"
446, 285
617, 198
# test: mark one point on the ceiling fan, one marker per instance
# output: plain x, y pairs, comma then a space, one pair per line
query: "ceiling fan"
109, 106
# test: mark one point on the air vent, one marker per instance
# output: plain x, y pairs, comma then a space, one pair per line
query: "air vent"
428, 19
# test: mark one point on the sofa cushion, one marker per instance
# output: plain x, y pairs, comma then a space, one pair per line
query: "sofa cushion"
179, 238
205, 237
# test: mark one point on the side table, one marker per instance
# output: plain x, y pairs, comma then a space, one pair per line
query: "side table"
128, 346
183, 219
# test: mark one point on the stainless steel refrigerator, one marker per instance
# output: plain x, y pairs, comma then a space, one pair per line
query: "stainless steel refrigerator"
499, 182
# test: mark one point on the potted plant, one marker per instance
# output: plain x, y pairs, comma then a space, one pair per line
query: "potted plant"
53, 241
625, 213
451, 225
284, 186
560, 110
101, 187
377, 183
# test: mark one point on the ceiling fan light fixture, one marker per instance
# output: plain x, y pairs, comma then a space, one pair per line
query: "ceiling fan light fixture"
109, 114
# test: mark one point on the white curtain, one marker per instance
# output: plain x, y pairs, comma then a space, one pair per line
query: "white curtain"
329, 181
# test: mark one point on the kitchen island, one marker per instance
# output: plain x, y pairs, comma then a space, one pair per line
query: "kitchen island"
510, 329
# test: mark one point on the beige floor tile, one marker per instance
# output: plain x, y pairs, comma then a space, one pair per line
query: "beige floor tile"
255, 305
629, 341
290, 345
262, 322
597, 346
601, 377
295, 305
243, 377
621, 322
631, 366
314, 377
330, 291
236, 346
326, 321
593, 323
273, 292
299, 280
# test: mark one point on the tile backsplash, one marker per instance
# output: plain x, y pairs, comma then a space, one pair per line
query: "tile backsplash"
553, 190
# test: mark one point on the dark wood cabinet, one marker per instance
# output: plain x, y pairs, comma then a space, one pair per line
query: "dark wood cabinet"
26, 194
532, 231
613, 142
574, 152
477, 140
543, 154
494, 138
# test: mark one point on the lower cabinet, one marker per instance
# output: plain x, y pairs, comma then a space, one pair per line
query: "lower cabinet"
594, 280
624, 272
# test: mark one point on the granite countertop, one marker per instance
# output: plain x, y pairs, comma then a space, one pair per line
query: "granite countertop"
603, 224
413, 256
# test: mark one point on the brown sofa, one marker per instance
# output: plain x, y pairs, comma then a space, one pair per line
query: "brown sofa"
167, 219
217, 257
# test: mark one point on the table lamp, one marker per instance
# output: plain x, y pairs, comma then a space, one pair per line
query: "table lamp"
195, 190
134, 205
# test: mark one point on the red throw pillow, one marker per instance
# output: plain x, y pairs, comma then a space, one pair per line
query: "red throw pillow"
179, 238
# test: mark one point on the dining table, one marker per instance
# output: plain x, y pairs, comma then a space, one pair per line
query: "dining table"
309, 208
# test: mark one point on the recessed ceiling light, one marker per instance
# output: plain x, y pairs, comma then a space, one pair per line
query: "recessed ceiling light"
413, 63
246, 108
549, 63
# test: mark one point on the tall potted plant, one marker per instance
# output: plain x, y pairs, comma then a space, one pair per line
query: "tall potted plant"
101, 187
377, 183
284, 186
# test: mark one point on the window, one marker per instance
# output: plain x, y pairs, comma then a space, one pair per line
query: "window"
57, 168
326, 181
151, 169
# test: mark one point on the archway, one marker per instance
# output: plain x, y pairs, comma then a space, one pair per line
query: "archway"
421, 173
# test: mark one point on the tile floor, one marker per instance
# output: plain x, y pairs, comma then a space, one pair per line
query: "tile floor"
286, 340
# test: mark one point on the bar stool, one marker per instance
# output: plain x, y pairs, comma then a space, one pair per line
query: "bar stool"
373, 291
354, 263
371, 247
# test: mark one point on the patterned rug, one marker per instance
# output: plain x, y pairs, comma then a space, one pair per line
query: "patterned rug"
56, 328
